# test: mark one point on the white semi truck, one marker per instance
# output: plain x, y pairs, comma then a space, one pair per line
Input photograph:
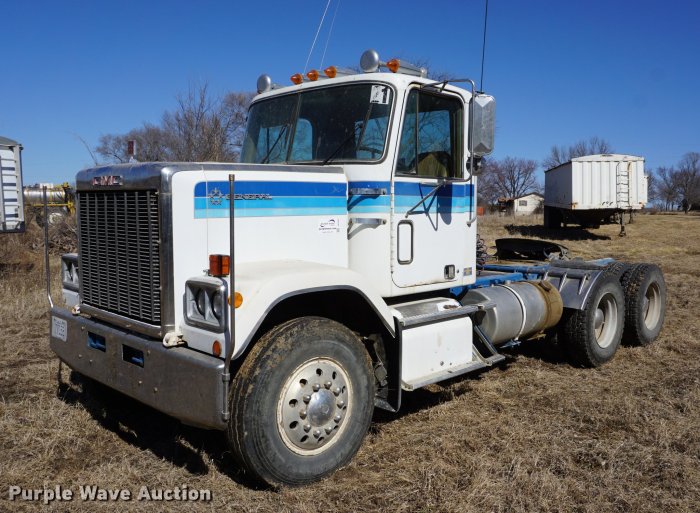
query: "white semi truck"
281, 299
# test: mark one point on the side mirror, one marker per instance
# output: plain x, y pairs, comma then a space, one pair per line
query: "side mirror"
483, 116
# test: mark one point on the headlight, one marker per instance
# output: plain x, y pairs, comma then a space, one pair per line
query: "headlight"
217, 304
201, 302
205, 303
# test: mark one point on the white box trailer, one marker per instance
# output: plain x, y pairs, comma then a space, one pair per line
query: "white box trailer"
588, 190
11, 198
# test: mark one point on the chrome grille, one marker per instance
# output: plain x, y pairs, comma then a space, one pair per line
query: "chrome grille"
120, 253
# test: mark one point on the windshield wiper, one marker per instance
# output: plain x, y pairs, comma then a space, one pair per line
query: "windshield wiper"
335, 152
274, 144
361, 127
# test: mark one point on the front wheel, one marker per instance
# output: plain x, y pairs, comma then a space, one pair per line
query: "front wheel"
301, 402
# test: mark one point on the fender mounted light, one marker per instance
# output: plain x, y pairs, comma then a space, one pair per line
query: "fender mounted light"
219, 265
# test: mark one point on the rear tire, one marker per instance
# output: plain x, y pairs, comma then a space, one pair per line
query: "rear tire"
645, 303
301, 402
617, 269
591, 336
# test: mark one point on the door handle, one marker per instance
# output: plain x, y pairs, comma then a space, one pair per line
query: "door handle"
367, 191
371, 221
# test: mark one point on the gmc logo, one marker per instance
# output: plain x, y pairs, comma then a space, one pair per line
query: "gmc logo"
107, 180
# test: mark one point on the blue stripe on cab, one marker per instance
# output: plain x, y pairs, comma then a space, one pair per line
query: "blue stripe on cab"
277, 198
203, 189
270, 199
270, 212
262, 204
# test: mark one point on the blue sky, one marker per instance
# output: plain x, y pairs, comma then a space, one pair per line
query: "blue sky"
561, 71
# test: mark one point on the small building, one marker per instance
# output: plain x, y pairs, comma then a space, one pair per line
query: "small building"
522, 205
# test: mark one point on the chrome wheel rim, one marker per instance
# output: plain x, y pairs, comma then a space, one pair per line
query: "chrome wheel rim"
605, 320
651, 306
314, 404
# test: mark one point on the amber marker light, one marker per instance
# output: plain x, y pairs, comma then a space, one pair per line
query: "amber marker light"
297, 78
312, 75
237, 299
216, 348
219, 265
393, 65
331, 71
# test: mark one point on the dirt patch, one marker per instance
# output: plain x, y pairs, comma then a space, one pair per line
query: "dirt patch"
533, 435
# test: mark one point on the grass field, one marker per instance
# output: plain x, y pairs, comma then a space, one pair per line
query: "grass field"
536, 435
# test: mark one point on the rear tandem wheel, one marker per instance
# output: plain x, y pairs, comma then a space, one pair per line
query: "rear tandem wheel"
645, 303
591, 336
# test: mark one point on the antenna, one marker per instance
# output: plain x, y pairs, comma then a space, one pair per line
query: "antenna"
316, 36
483, 47
330, 31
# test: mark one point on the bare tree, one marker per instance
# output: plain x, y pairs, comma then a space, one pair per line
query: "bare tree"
560, 154
688, 177
665, 187
150, 143
202, 128
487, 189
510, 178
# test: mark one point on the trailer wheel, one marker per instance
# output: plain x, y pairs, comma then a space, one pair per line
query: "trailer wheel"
301, 402
592, 335
645, 303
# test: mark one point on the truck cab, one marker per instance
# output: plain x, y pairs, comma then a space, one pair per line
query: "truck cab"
402, 143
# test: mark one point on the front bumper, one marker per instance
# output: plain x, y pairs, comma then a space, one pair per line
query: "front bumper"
177, 381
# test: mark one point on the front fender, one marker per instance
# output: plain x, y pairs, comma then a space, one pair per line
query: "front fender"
265, 284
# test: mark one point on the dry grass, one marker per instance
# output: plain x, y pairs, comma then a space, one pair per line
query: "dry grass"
537, 435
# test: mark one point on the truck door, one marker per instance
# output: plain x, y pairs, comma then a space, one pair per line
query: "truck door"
430, 239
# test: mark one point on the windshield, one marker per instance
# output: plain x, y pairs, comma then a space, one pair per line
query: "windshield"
343, 123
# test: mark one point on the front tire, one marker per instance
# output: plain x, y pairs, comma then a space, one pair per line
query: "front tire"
592, 335
301, 402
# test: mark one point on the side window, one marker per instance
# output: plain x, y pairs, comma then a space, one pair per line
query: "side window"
432, 136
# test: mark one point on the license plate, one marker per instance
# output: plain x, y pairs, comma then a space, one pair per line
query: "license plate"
59, 328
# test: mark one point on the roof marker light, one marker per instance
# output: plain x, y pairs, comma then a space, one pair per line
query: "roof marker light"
297, 78
312, 75
333, 71
393, 65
